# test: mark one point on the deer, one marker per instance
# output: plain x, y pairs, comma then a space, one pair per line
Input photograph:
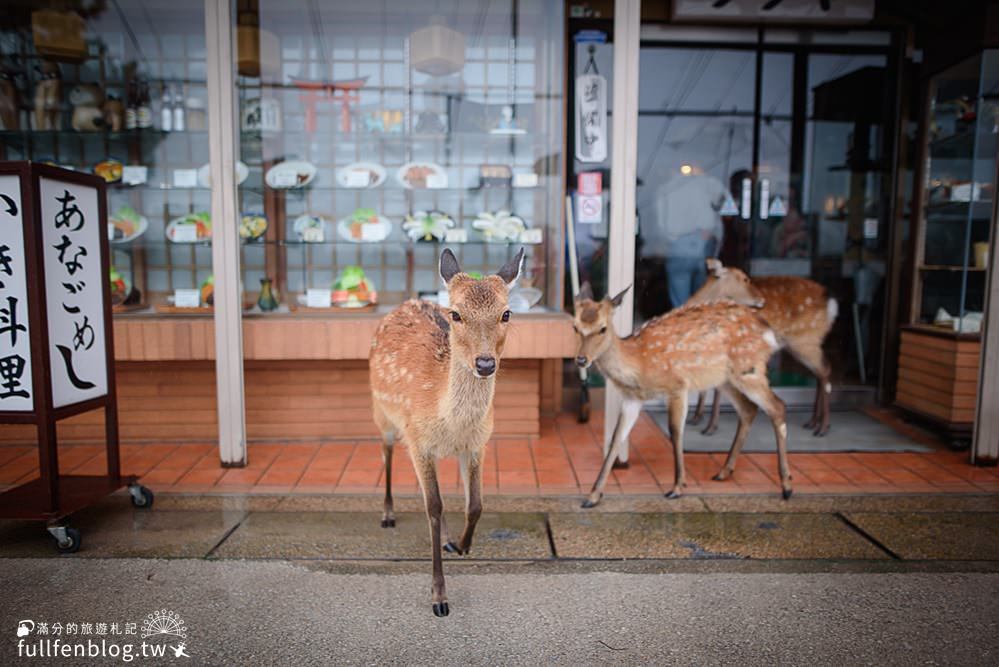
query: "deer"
800, 312
433, 377
693, 348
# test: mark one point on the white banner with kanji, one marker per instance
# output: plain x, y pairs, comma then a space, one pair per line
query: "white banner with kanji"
73, 290
16, 390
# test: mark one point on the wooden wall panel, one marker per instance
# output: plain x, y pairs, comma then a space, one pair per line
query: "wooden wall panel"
285, 400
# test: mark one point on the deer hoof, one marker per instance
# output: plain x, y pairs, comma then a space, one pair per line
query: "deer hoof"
388, 523
451, 548
620, 465
721, 476
694, 419
441, 609
810, 424
786, 493
821, 431
673, 495
709, 430
590, 502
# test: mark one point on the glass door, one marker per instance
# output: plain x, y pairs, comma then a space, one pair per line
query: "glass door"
770, 157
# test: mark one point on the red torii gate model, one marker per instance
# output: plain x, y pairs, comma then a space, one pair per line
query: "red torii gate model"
327, 91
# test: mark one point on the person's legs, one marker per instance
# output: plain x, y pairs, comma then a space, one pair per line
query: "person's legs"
680, 274
699, 273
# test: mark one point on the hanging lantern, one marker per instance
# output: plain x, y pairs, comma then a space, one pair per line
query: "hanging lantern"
59, 35
257, 50
437, 50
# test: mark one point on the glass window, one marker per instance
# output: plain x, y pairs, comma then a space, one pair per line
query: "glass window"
374, 137
120, 91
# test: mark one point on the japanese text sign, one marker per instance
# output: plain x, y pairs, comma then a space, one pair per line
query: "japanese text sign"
16, 389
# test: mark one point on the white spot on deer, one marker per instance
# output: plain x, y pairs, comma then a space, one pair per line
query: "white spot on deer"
828, 388
771, 339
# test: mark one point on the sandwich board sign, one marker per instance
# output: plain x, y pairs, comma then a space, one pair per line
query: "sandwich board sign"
56, 348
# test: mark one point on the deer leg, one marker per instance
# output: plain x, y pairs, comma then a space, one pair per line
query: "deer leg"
471, 475
388, 515
811, 356
712, 425
426, 472
677, 410
747, 413
698, 410
756, 389
630, 410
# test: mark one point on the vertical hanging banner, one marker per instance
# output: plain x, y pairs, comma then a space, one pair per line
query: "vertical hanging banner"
74, 290
591, 118
17, 392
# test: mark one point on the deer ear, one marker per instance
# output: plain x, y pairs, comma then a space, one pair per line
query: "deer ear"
511, 270
449, 266
715, 266
616, 301
585, 292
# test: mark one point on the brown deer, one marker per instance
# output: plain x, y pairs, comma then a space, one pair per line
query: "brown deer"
693, 348
433, 374
800, 312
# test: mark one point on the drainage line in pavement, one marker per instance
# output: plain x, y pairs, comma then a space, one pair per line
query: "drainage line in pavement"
867, 536
551, 536
226, 536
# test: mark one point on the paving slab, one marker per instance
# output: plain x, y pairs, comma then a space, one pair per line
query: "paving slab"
708, 535
355, 535
855, 503
934, 536
125, 532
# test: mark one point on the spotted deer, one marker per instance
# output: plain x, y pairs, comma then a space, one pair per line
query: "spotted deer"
800, 312
433, 375
693, 348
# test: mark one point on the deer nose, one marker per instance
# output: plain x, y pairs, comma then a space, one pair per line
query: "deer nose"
580, 361
485, 365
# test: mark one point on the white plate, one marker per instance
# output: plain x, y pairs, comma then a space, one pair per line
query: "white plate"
378, 232
369, 168
290, 175
141, 227
433, 169
303, 222
205, 174
171, 231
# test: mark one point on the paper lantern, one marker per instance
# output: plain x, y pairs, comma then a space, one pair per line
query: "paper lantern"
437, 50
257, 51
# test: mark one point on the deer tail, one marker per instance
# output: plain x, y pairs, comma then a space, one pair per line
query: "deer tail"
832, 309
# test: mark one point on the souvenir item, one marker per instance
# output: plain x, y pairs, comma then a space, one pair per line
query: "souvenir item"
501, 226
262, 115
427, 225
343, 91
10, 97
48, 97
110, 170
591, 113
507, 124
268, 300
419, 175
361, 175
88, 114
290, 175
190, 228
114, 114
353, 289
126, 225
252, 226
364, 226
383, 122
310, 228
495, 175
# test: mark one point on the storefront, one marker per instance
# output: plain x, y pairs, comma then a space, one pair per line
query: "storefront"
344, 144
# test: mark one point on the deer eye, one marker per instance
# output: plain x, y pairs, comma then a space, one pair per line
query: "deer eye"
603, 329
455, 317
506, 316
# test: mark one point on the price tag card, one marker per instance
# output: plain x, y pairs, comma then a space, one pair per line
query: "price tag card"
185, 178
284, 179
318, 298
529, 180
185, 234
187, 298
134, 174
436, 181
358, 179
531, 236
456, 235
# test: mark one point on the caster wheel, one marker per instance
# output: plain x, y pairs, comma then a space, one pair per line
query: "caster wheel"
141, 497
69, 543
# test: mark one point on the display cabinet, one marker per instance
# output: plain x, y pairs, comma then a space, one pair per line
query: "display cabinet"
938, 363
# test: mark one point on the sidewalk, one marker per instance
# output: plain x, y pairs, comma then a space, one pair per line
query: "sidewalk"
563, 461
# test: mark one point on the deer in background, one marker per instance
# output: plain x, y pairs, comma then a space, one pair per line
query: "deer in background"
433, 375
800, 312
693, 348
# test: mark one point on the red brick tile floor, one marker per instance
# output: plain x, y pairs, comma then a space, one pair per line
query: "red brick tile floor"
564, 460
